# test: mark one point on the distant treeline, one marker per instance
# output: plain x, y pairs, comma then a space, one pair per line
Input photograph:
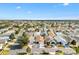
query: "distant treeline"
42, 20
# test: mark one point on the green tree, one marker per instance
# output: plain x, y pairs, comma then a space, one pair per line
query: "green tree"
16, 32
12, 36
23, 40
28, 50
73, 42
24, 34
52, 25
59, 52
44, 52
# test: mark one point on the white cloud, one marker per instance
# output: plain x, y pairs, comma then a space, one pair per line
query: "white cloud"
18, 7
65, 4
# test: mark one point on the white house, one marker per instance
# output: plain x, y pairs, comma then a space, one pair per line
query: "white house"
2, 42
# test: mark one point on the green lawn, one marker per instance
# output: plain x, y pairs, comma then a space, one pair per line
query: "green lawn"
76, 49
5, 52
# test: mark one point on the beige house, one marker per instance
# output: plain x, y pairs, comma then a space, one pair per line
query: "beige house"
2, 43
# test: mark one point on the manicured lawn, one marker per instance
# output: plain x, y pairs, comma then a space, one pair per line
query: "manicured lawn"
5, 52
76, 49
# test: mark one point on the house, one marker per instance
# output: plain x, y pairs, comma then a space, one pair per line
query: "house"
2, 43
39, 38
59, 38
39, 41
36, 34
4, 37
3, 40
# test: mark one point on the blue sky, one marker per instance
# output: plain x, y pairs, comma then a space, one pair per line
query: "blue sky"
39, 11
